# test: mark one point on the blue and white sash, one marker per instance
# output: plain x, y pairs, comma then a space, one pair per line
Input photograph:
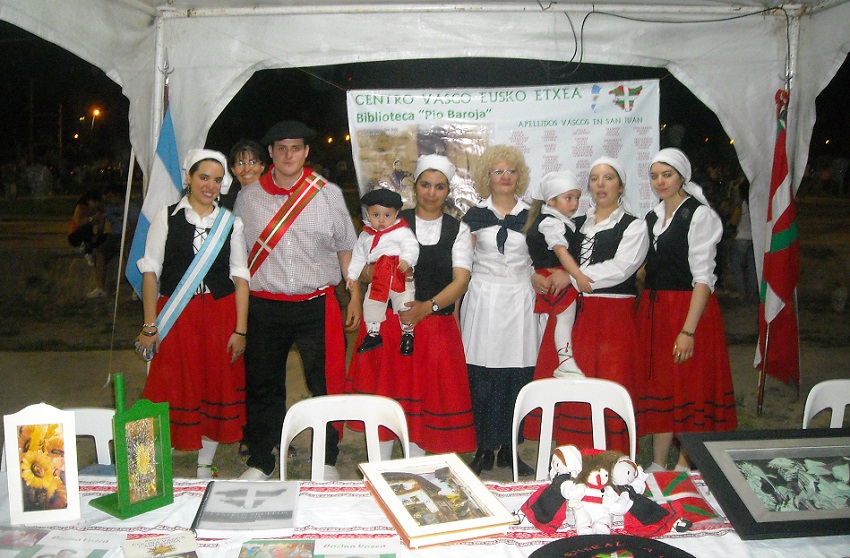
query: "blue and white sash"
196, 272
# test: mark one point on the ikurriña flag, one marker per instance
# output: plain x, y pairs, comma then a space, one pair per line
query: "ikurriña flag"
778, 352
164, 188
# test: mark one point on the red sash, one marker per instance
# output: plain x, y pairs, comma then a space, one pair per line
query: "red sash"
387, 277
301, 193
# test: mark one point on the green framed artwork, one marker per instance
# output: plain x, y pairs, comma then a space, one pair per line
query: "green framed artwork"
142, 461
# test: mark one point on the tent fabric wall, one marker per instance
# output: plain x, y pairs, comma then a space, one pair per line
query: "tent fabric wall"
733, 65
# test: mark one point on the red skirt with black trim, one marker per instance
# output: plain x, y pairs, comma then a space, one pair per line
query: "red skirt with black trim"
604, 346
431, 385
192, 372
694, 396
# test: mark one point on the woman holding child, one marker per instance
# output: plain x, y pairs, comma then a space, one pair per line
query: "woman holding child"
431, 385
609, 245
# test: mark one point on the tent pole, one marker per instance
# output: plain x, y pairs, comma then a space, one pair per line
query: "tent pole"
160, 77
460, 8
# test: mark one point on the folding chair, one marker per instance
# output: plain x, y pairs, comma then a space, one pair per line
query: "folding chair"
547, 393
316, 412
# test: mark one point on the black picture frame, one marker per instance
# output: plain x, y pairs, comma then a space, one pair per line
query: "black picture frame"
722, 456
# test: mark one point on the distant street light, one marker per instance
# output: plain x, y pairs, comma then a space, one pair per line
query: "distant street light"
94, 114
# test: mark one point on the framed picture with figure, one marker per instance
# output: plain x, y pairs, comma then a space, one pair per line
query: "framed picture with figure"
41, 455
435, 499
142, 461
777, 483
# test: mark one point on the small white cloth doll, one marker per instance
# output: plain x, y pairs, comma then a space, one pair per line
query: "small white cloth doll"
546, 508
593, 500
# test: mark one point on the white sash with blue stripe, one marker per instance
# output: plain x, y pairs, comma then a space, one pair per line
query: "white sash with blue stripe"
196, 272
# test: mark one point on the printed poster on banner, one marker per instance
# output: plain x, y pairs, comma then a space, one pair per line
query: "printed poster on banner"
556, 127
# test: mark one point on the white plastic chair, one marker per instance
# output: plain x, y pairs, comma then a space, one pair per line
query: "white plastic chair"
97, 423
548, 392
829, 394
316, 412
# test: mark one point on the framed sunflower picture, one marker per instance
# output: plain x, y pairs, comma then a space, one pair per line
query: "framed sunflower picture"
41, 446
142, 461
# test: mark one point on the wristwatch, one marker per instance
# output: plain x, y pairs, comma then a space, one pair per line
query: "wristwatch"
434, 306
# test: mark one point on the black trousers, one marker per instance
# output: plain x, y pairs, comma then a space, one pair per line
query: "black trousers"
494, 392
273, 327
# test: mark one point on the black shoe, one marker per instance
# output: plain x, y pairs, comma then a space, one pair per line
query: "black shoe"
370, 342
523, 468
504, 458
406, 346
483, 461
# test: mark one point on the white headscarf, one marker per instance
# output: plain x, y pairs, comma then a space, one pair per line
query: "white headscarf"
434, 162
679, 161
195, 155
621, 172
554, 184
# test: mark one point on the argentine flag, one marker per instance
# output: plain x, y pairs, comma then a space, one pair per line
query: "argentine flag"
164, 188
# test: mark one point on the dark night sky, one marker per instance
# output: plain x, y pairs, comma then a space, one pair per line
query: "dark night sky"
40, 77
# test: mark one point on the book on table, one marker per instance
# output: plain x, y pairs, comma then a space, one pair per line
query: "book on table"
257, 509
435, 499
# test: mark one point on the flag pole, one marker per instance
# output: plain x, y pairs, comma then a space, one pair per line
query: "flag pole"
763, 373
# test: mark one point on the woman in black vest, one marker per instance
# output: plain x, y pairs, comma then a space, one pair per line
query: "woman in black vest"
432, 385
688, 384
198, 367
610, 246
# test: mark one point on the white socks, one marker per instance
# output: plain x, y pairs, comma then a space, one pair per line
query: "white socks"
205, 458
387, 450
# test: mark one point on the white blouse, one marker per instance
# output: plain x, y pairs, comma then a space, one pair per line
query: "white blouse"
158, 232
630, 254
703, 236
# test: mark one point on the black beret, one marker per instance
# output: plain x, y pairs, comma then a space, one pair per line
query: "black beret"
382, 197
288, 129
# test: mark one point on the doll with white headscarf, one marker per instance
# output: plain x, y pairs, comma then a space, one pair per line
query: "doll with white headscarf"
547, 233
687, 380
195, 296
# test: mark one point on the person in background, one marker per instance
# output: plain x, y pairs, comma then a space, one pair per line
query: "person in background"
113, 212
196, 317
497, 315
687, 382
743, 255
296, 259
433, 385
86, 229
247, 163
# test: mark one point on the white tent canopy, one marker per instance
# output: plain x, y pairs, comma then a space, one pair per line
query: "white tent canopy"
732, 55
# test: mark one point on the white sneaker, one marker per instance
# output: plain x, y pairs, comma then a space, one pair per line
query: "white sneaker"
331, 473
205, 471
254, 474
655, 468
97, 293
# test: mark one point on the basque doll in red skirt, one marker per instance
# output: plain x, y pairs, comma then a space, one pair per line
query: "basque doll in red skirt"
195, 296
688, 383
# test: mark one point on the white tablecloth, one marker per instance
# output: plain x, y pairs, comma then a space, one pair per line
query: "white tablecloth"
342, 510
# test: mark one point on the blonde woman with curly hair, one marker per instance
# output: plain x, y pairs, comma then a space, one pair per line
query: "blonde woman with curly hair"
497, 316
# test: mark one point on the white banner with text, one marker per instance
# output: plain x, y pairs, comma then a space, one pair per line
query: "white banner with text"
556, 127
